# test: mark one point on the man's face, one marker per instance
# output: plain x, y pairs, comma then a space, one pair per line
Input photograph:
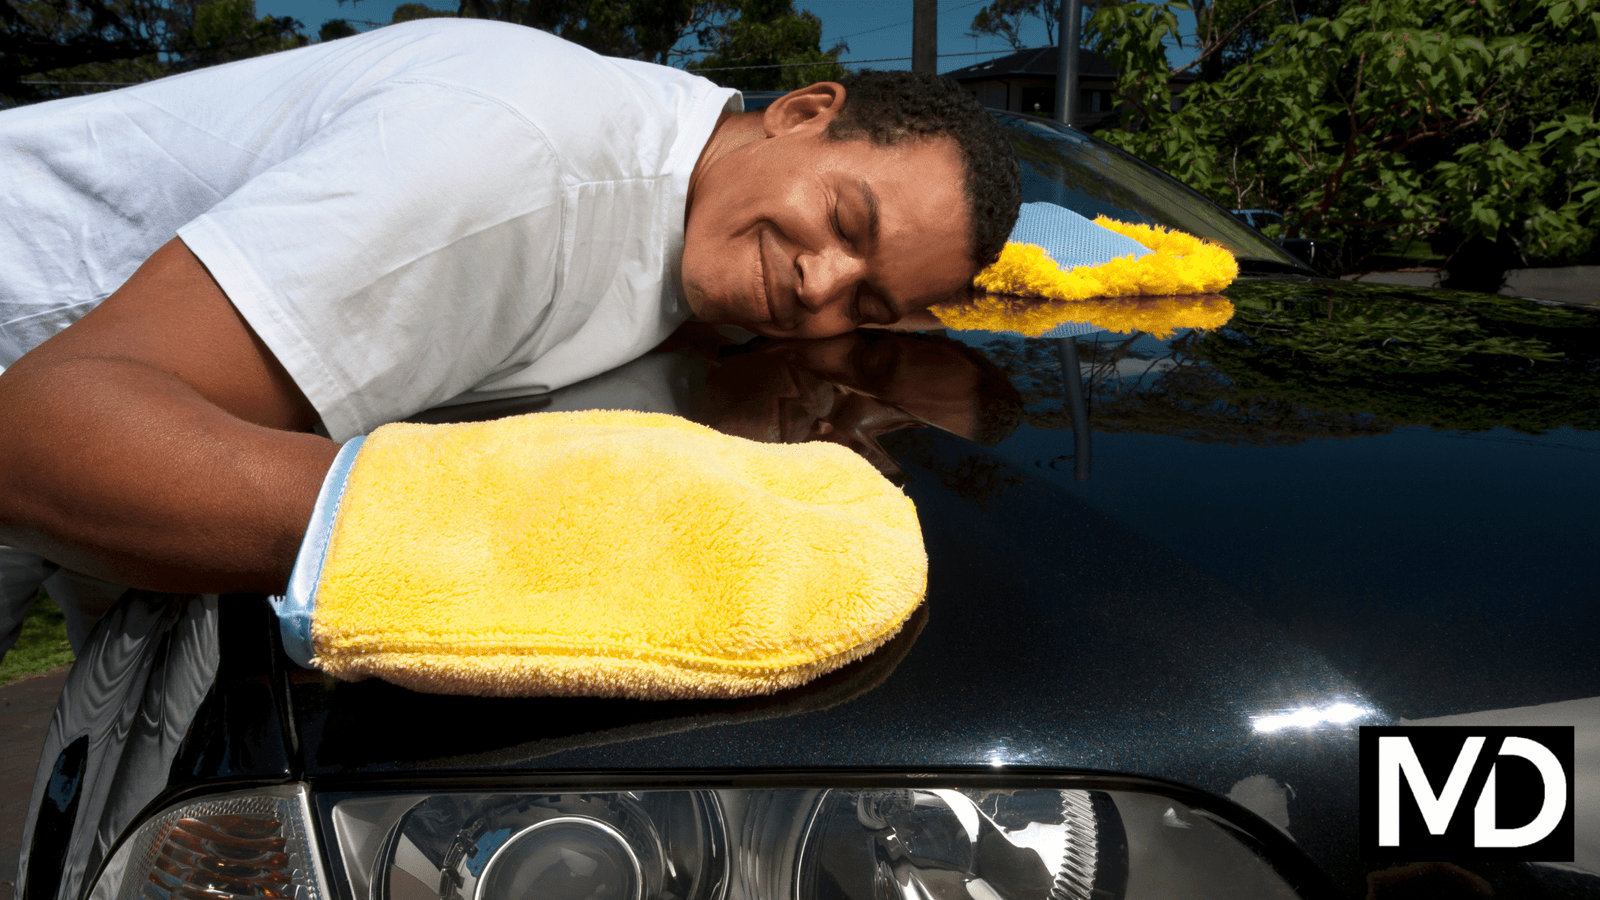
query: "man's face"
799, 235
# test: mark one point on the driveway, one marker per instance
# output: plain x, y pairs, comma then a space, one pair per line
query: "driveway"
1568, 284
25, 709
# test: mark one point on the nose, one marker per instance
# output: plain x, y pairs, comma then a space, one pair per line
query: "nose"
828, 279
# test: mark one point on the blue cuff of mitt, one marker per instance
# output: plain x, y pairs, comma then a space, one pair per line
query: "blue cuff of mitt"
1071, 240
295, 606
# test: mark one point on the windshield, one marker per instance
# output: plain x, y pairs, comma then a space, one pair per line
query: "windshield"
1092, 178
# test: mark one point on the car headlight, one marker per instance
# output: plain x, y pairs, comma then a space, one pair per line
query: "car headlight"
965, 842
957, 843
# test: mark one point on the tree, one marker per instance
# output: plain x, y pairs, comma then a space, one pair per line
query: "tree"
1005, 18
767, 42
333, 29
1229, 32
75, 40
650, 30
410, 12
226, 30
767, 45
51, 46
1470, 122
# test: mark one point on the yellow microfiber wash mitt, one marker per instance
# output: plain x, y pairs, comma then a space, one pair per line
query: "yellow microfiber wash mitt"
1177, 263
615, 554
1092, 272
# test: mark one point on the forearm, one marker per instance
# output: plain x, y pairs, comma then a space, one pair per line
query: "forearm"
123, 471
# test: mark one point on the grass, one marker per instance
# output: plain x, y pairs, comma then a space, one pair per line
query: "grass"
42, 646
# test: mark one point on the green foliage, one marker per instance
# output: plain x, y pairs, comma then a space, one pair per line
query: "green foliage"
768, 41
1464, 120
636, 29
42, 646
767, 44
772, 35
124, 41
229, 29
1005, 18
1133, 37
333, 29
1230, 32
73, 40
410, 12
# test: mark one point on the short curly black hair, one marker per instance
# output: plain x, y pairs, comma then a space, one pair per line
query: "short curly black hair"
889, 107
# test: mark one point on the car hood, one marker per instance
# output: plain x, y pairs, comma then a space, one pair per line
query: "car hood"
1348, 506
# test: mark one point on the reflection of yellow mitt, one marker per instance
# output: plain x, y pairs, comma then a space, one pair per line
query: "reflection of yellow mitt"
1156, 316
601, 554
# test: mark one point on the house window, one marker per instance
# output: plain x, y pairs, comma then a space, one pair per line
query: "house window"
1038, 101
1094, 101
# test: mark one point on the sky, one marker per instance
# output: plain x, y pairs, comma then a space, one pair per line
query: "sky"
878, 30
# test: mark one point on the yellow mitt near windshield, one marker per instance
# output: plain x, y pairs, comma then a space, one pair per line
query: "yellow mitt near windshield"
1057, 255
610, 554
1177, 263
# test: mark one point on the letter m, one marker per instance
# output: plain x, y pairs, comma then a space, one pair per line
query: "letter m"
1396, 757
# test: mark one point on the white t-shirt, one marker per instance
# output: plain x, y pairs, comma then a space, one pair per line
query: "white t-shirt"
424, 210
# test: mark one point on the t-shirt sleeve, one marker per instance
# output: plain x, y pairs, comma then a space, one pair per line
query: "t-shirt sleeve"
399, 256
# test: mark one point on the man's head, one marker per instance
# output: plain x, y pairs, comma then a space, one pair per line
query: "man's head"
847, 203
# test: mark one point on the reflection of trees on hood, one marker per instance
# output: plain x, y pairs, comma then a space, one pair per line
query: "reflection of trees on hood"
1460, 361
1305, 360
1135, 384
972, 473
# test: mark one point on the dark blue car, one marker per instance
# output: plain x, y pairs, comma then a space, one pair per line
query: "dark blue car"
1171, 579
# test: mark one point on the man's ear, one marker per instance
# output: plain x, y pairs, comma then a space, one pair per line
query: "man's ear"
812, 107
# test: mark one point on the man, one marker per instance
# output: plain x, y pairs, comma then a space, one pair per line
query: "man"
368, 227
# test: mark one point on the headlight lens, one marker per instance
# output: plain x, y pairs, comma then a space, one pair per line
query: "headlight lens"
565, 858
624, 845
978, 844
960, 843
242, 846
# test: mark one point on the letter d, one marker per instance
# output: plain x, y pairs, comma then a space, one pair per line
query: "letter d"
1485, 834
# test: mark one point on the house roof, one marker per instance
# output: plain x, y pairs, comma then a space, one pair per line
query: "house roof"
1039, 63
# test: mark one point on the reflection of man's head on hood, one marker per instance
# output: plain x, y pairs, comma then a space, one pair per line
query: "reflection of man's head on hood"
848, 389
852, 388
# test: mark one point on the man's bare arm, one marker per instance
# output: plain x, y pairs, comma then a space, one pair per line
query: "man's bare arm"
158, 443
